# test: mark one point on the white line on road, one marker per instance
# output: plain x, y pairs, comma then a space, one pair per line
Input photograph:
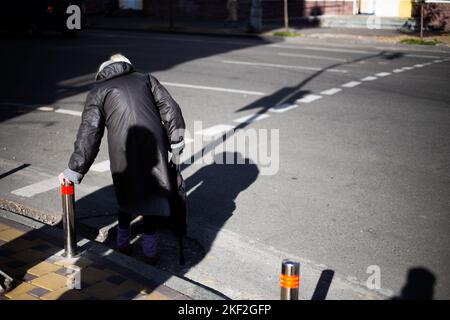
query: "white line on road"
408, 68
302, 47
101, 166
191, 86
70, 112
383, 74
46, 109
420, 56
310, 57
215, 130
351, 84
282, 66
251, 118
36, 188
330, 92
397, 70
419, 65
283, 108
308, 98
369, 78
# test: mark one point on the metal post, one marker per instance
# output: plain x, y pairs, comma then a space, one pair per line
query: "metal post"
68, 206
290, 279
421, 20
286, 16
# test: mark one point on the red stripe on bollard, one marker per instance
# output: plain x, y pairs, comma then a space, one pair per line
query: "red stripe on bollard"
67, 190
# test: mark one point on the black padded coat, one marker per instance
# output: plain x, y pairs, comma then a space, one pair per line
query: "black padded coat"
143, 123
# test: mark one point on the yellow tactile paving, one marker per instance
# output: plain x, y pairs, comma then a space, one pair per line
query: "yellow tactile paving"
50, 281
3, 227
25, 296
43, 268
20, 290
10, 234
155, 296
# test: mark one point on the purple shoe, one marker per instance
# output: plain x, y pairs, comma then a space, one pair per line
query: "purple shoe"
149, 246
123, 241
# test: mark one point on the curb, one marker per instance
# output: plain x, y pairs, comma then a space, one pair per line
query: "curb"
182, 285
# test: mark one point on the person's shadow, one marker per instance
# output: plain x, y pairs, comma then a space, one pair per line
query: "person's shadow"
419, 285
212, 191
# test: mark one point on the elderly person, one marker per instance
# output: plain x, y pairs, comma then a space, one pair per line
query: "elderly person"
144, 123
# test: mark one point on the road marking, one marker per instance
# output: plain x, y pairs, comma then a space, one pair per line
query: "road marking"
251, 118
36, 188
420, 56
215, 130
46, 109
101, 166
437, 61
407, 68
351, 84
369, 78
71, 112
191, 86
330, 92
397, 70
283, 108
383, 74
308, 98
318, 48
310, 57
419, 65
282, 66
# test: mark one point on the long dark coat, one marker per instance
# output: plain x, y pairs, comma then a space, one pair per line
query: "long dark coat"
143, 121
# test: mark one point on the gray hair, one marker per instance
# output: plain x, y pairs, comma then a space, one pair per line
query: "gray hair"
117, 57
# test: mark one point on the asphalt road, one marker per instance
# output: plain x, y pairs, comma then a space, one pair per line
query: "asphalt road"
358, 176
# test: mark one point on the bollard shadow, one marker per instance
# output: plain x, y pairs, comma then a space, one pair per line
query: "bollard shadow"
420, 283
323, 285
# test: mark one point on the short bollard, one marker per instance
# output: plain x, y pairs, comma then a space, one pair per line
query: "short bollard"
68, 205
290, 280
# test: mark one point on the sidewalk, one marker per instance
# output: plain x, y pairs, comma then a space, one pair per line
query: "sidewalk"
185, 25
32, 255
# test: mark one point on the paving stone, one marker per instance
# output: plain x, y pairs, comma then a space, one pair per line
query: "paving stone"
30, 255
19, 290
93, 275
25, 296
104, 290
116, 279
51, 281
29, 277
43, 268
20, 244
38, 292
3, 226
10, 234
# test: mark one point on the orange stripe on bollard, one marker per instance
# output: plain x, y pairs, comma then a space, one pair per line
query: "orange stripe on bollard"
67, 190
287, 281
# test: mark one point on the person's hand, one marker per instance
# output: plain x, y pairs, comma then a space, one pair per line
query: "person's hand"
63, 179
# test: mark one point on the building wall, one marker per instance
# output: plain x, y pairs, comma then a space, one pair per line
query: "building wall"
272, 9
